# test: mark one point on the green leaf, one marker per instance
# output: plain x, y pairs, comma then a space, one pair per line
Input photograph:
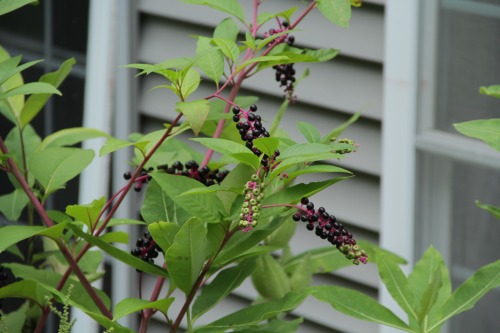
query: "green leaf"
31, 88
15, 319
227, 29
115, 237
158, 206
164, 233
423, 275
190, 82
87, 213
302, 275
114, 144
335, 133
267, 145
468, 293
25, 289
494, 210
266, 41
397, 284
13, 234
130, 305
69, 137
317, 168
212, 64
122, 221
254, 314
196, 113
12, 204
430, 295
493, 91
223, 284
275, 326
123, 256
207, 207
228, 47
237, 178
13, 142
282, 235
323, 260
36, 102
336, 11
487, 130
264, 17
227, 6
185, 258
7, 6
53, 167
322, 55
309, 131
269, 278
357, 305
278, 59
233, 149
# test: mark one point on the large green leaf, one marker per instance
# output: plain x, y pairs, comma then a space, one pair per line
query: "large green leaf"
87, 213
225, 282
31, 88
487, 130
227, 6
336, 11
7, 6
396, 283
70, 136
196, 113
185, 258
130, 305
227, 29
256, 313
212, 64
53, 167
269, 278
228, 47
264, 17
267, 146
494, 210
322, 54
468, 293
12, 204
190, 82
323, 260
275, 326
309, 131
302, 275
15, 319
121, 255
357, 305
233, 149
13, 234
30, 141
207, 207
36, 102
25, 289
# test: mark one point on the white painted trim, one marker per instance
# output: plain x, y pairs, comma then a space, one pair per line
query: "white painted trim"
97, 113
398, 134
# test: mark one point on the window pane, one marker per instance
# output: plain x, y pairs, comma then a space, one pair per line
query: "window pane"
468, 50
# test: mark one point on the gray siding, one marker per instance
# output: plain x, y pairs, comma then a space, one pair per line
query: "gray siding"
333, 91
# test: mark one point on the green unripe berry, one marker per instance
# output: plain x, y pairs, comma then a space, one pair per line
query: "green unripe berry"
245, 210
248, 196
256, 191
245, 204
254, 177
254, 223
260, 197
243, 223
255, 215
255, 209
253, 202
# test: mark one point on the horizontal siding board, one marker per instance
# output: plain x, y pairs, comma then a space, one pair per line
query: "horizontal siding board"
161, 102
338, 82
363, 39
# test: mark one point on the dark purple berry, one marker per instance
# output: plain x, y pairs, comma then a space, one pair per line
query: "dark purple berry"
253, 107
127, 175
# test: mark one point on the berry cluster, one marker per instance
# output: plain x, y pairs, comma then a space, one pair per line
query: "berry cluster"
285, 74
347, 150
146, 249
285, 38
327, 227
252, 204
250, 127
190, 169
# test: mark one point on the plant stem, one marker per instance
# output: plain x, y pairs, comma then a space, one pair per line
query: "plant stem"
199, 281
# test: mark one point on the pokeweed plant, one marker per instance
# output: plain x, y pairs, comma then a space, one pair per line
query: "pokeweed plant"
210, 223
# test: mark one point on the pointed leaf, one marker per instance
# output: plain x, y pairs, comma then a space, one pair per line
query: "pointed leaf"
302, 275
309, 131
227, 29
468, 293
322, 54
227, 6
233, 149
190, 82
336, 11
13, 234
36, 102
279, 59
228, 47
358, 305
130, 305
212, 64
70, 136
185, 258
430, 295
196, 113
493, 91
335, 133
397, 284
12, 204
267, 145
25, 289
223, 284
53, 167
269, 278
487, 130
31, 88
87, 213
494, 210
256, 313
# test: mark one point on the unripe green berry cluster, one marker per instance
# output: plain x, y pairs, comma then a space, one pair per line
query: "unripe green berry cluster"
348, 150
251, 207
327, 227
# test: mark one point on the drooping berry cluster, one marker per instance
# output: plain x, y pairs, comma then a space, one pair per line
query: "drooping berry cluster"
250, 127
285, 74
251, 207
146, 249
190, 169
327, 227
285, 38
